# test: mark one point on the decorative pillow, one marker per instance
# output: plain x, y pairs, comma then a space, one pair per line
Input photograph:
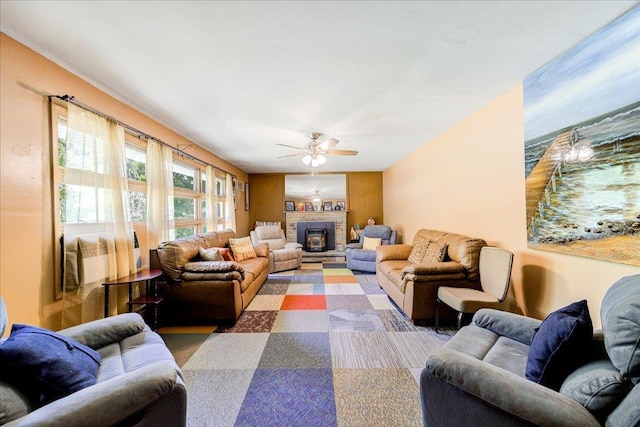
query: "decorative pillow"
560, 345
211, 254
371, 243
242, 248
55, 364
598, 386
225, 253
427, 251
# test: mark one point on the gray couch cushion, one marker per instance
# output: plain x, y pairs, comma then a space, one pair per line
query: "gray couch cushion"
598, 386
620, 314
14, 401
376, 231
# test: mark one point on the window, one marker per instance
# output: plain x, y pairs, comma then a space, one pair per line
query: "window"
137, 174
80, 204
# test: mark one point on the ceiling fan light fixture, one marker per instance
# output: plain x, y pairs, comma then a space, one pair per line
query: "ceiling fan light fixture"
306, 159
315, 162
321, 159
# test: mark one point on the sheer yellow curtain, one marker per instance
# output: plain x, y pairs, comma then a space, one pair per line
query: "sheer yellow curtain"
211, 199
229, 208
95, 214
160, 219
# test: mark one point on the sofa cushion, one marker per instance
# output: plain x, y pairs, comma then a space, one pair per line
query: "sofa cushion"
15, 401
212, 254
598, 386
269, 232
212, 267
427, 251
224, 252
620, 314
242, 248
381, 231
217, 239
371, 243
560, 345
56, 365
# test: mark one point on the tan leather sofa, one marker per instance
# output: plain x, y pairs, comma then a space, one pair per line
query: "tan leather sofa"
196, 290
414, 287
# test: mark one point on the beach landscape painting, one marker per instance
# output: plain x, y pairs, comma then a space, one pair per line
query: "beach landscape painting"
582, 147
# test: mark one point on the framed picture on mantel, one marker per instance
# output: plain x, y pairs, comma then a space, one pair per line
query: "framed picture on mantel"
328, 206
289, 205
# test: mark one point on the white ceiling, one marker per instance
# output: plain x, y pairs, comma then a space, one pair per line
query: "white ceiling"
238, 77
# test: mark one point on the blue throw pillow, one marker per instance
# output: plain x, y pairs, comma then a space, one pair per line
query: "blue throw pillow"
560, 345
51, 363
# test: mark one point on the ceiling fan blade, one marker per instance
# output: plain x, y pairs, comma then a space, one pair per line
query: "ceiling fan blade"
342, 152
291, 146
291, 155
325, 145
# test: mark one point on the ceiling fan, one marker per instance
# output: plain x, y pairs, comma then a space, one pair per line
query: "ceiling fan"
314, 151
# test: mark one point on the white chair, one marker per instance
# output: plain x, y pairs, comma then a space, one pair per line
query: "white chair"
283, 255
495, 276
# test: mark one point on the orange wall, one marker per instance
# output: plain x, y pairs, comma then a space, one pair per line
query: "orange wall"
27, 238
470, 180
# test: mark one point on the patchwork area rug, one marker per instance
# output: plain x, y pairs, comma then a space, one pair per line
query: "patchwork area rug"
318, 346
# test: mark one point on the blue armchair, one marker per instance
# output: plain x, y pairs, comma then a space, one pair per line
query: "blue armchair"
359, 258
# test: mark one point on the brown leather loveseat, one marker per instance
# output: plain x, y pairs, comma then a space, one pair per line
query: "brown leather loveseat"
198, 290
412, 285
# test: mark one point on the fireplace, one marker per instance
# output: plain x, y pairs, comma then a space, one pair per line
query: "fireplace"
315, 240
329, 228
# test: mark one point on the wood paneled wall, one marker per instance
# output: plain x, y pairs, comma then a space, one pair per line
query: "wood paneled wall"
364, 194
266, 198
364, 198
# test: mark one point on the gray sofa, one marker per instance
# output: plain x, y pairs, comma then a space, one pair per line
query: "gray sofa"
478, 377
138, 382
365, 259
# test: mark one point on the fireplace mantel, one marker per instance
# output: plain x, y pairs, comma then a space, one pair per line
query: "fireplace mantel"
339, 217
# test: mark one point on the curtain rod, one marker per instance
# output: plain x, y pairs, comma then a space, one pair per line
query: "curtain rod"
139, 133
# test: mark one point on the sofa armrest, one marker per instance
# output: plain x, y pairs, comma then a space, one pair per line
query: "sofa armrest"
353, 246
292, 245
212, 267
439, 268
108, 402
102, 332
515, 326
393, 252
463, 390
